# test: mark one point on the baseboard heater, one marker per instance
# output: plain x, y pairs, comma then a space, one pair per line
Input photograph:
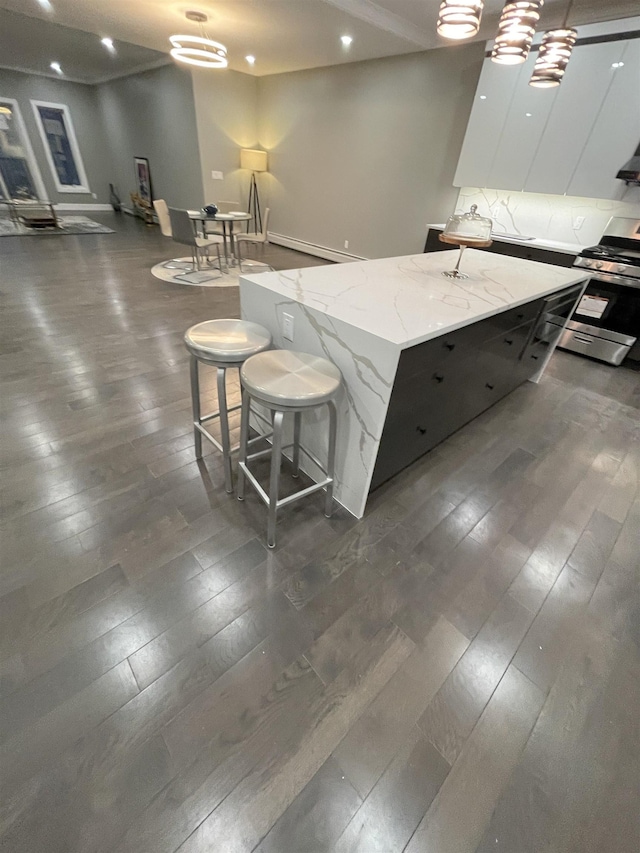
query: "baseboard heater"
313, 249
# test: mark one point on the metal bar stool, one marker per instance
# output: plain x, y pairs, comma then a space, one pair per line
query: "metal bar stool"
284, 381
221, 344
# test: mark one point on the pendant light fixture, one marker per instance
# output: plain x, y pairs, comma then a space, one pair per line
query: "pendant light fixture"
199, 50
554, 54
459, 19
516, 28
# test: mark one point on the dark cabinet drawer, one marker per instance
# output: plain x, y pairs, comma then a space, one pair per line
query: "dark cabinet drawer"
509, 345
513, 318
421, 361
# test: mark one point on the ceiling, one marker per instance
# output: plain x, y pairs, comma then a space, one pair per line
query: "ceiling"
30, 44
283, 35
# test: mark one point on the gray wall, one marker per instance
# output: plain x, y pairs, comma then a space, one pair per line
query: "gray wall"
366, 152
87, 124
153, 115
226, 105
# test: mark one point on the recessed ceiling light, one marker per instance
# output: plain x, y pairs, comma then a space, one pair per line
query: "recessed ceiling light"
250, 59
617, 64
108, 43
46, 5
56, 67
483, 97
528, 115
346, 40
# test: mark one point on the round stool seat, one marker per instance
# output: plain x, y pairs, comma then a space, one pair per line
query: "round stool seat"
223, 341
288, 378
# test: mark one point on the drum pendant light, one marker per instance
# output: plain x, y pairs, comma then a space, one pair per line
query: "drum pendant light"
554, 54
516, 29
459, 19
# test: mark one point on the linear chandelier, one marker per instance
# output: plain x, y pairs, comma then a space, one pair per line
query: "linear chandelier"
516, 29
198, 50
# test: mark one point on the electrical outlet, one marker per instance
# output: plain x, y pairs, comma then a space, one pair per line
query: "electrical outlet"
578, 222
346, 244
287, 326
93, 195
217, 176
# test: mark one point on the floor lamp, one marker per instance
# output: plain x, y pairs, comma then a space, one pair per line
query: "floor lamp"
254, 161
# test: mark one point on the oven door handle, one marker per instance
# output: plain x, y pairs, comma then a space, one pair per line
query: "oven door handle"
580, 339
612, 278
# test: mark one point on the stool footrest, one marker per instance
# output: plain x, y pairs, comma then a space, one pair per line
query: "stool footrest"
217, 444
301, 493
205, 418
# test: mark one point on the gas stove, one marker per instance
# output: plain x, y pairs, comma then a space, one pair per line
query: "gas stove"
606, 322
610, 259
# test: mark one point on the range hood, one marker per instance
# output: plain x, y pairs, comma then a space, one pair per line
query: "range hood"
630, 172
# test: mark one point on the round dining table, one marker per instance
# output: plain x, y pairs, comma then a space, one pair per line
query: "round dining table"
228, 221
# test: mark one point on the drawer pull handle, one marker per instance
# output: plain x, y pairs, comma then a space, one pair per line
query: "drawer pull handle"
421, 430
509, 341
489, 386
534, 357
438, 377
450, 347
519, 316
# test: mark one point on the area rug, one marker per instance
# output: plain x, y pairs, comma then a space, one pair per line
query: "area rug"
68, 225
207, 277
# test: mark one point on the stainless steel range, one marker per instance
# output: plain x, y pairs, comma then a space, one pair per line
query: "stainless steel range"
606, 322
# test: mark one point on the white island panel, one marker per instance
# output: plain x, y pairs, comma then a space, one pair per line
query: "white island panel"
368, 365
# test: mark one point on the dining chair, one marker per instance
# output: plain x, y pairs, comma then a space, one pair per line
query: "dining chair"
164, 221
227, 206
259, 238
183, 231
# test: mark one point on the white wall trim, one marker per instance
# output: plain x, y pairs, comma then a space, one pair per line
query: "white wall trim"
75, 148
81, 206
313, 249
26, 145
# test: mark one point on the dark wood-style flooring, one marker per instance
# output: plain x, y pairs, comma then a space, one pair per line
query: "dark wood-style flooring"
459, 672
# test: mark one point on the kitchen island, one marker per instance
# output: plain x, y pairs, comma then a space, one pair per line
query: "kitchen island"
420, 354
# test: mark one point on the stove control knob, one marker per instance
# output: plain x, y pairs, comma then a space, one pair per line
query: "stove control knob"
598, 265
586, 262
621, 268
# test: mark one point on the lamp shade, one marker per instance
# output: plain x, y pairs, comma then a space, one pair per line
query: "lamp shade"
516, 29
253, 160
553, 56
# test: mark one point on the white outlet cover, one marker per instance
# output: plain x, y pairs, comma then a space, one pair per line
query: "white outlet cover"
217, 176
287, 326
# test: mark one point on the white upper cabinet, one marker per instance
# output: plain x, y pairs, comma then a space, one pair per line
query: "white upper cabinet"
488, 115
615, 135
571, 139
526, 120
580, 96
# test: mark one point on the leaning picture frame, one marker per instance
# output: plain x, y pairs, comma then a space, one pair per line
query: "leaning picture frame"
143, 179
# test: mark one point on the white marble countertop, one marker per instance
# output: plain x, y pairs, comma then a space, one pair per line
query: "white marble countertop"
536, 242
407, 300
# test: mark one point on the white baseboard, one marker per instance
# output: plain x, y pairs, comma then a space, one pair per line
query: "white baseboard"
96, 208
313, 249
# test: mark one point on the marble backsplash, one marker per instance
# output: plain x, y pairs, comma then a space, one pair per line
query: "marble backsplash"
550, 217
